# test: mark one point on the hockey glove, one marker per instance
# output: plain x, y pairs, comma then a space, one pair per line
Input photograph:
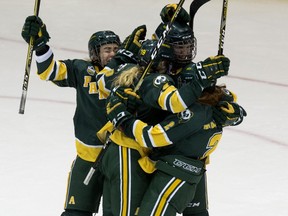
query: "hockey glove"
116, 111
130, 47
168, 11
130, 99
34, 27
228, 96
132, 43
212, 68
228, 114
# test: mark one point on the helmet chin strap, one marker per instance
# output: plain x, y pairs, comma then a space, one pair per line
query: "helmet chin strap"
96, 58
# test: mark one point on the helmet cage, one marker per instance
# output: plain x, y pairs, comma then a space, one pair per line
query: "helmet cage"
185, 50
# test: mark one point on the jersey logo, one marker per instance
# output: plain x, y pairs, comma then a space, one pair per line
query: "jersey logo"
121, 67
192, 205
185, 115
201, 73
160, 79
91, 70
186, 166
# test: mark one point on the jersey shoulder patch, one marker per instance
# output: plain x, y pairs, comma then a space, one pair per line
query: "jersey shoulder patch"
91, 70
160, 79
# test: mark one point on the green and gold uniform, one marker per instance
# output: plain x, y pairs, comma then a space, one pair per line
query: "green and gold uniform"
88, 119
199, 205
181, 144
129, 182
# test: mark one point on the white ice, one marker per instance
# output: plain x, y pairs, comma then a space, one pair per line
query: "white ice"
248, 172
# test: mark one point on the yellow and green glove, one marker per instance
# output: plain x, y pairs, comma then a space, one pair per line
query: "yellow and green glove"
228, 114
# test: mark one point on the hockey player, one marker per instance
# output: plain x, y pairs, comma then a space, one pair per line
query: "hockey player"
181, 144
168, 97
81, 200
123, 152
179, 68
159, 91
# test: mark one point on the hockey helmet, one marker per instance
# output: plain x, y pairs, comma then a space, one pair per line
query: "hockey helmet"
181, 39
146, 51
99, 39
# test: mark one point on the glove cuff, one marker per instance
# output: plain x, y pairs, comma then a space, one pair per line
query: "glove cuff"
126, 56
127, 127
42, 50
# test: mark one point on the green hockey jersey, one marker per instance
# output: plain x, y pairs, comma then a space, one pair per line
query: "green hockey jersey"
89, 115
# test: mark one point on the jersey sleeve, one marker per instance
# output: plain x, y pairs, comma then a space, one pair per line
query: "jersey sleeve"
63, 73
159, 91
104, 81
50, 69
172, 129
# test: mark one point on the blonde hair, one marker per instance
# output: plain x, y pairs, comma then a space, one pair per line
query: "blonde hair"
129, 77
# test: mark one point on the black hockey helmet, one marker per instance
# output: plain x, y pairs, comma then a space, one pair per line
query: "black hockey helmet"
181, 39
99, 39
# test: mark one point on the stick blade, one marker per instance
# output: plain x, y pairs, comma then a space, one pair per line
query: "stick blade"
194, 6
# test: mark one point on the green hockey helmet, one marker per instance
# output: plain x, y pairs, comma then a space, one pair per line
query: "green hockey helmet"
181, 39
99, 39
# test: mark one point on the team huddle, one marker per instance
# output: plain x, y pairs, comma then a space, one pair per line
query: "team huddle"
158, 136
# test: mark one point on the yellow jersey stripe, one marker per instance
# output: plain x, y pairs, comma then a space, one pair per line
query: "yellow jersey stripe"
125, 174
87, 152
57, 67
149, 136
45, 75
167, 193
103, 92
170, 99
61, 71
162, 100
176, 103
138, 127
158, 136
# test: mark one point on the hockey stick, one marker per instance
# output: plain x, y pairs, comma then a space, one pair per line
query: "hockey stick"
222, 27
222, 32
28, 64
153, 55
96, 163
